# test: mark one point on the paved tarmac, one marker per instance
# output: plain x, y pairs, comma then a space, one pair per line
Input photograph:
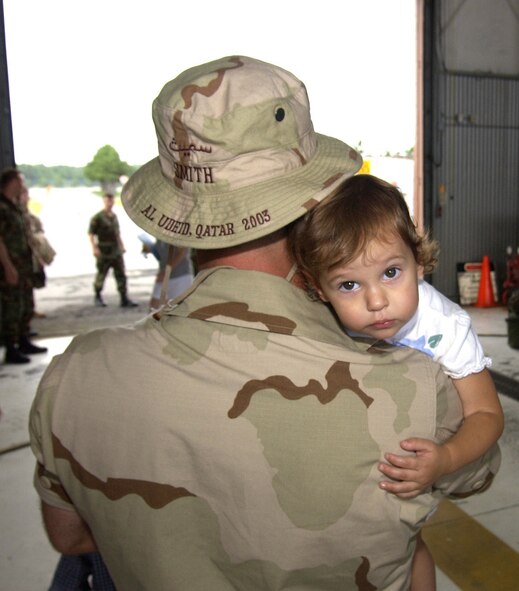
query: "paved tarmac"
68, 304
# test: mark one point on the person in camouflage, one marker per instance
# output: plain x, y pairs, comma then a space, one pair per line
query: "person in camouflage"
108, 249
232, 440
16, 268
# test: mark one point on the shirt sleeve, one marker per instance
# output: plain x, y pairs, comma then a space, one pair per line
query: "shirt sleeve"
92, 226
443, 330
46, 479
464, 354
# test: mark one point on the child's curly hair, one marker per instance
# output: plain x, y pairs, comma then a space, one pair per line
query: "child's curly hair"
339, 229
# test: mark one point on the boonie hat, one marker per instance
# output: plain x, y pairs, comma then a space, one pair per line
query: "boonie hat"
238, 157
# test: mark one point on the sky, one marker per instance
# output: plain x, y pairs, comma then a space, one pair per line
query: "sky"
84, 73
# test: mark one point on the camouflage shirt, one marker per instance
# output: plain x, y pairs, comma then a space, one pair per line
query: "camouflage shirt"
233, 443
106, 228
14, 235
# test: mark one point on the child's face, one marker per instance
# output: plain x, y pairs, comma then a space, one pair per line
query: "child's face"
376, 293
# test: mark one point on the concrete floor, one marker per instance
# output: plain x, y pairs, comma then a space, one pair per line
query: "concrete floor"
27, 560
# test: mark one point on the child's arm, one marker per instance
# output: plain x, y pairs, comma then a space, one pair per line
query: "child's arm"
482, 426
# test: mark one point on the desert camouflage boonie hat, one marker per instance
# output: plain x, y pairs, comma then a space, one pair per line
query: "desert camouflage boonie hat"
238, 157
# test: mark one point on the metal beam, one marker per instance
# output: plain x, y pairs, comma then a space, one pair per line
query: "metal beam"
6, 127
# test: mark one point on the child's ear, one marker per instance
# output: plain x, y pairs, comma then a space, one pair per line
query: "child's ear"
313, 287
316, 288
320, 293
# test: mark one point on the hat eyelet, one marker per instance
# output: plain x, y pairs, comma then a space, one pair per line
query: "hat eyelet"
279, 114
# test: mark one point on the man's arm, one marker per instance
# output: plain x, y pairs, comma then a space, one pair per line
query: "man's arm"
67, 531
10, 271
120, 243
95, 248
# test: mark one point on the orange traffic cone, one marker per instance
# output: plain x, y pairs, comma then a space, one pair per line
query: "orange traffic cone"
486, 298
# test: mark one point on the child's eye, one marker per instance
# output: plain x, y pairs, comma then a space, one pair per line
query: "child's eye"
392, 272
348, 286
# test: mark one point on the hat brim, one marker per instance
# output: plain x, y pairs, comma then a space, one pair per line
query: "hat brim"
225, 219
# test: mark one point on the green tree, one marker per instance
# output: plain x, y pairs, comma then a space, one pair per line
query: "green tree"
39, 175
106, 168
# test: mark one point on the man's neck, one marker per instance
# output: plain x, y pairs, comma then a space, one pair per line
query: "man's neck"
267, 255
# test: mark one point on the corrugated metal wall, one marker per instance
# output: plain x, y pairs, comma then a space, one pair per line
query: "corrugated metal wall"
474, 207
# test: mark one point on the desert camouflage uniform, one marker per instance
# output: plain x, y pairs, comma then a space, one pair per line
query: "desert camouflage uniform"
233, 444
17, 301
106, 228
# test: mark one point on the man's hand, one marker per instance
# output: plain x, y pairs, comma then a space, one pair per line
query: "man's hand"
67, 532
414, 474
10, 271
11, 275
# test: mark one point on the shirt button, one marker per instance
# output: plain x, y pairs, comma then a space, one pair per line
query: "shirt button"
45, 482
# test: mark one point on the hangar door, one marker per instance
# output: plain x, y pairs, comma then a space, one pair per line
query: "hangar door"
468, 155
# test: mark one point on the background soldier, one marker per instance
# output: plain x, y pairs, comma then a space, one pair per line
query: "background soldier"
16, 267
108, 249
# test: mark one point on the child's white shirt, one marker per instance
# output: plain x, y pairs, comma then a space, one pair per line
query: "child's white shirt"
443, 330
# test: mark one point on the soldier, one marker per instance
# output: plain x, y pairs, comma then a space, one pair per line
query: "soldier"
232, 440
108, 249
16, 268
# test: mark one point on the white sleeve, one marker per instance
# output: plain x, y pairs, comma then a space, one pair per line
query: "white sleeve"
464, 354
443, 330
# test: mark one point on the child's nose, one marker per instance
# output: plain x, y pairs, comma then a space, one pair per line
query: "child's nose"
376, 299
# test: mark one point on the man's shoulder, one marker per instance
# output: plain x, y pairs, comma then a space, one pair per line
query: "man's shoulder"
96, 218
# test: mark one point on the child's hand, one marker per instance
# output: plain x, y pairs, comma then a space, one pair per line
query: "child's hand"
414, 474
